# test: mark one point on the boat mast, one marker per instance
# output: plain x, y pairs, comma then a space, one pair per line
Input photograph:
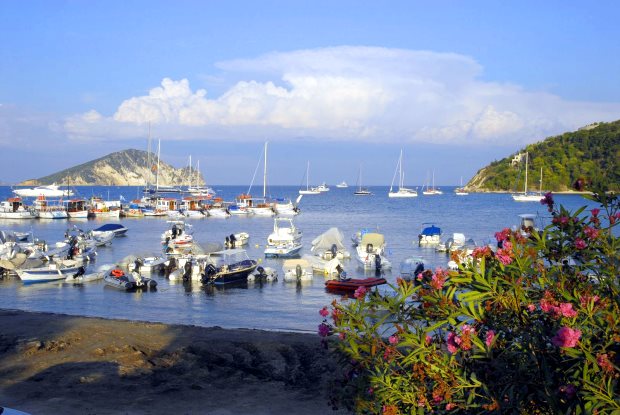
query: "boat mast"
265, 173
148, 159
527, 158
157, 172
402, 176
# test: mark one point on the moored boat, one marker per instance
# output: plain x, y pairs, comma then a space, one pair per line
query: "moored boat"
53, 271
352, 284
229, 266
128, 281
13, 208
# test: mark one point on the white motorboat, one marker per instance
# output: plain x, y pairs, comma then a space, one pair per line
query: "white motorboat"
429, 235
236, 240
327, 267
13, 208
322, 187
51, 190
411, 267
297, 270
263, 273
179, 235
329, 245
371, 252
218, 212
283, 250
285, 207
237, 210
58, 270
116, 228
402, 192
525, 196
80, 278
282, 233
308, 190
342, 185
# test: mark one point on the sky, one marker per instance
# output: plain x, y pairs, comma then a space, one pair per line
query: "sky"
340, 84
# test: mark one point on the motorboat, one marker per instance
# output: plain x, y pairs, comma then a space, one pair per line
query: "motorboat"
236, 240
402, 192
349, 285
456, 242
462, 255
218, 212
128, 281
81, 277
411, 267
187, 267
327, 267
329, 245
116, 228
322, 188
179, 235
342, 185
371, 252
284, 241
429, 235
356, 238
525, 196
286, 207
263, 273
58, 270
13, 208
147, 264
51, 190
237, 210
297, 270
228, 266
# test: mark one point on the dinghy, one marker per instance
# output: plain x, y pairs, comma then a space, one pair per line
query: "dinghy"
117, 278
352, 284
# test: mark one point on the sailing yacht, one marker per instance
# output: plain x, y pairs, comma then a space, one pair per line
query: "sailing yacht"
460, 191
432, 190
402, 190
309, 190
258, 206
196, 189
525, 196
159, 188
361, 191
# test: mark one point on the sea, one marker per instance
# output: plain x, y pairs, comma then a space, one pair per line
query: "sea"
278, 305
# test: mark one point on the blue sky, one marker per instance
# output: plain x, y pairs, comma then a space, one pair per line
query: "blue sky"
455, 84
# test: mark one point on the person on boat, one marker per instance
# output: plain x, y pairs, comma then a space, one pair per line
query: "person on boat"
174, 231
187, 271
137, 264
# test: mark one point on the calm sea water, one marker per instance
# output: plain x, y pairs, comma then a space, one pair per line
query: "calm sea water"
277, 305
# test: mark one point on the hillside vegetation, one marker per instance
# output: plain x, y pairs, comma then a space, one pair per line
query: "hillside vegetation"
591, 152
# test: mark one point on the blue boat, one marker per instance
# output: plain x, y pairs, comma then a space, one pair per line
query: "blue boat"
229, 266
117, 228
430, 235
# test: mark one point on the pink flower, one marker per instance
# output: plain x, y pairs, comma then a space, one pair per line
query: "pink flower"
360, 292
580, 243
531, 308
546, 306
503, 256
428, 340
450, 406
490, 337
566, 337
604, 363
547, 200
341, 335
393, 339
595, 212
453, 342
507, 246
324, 330
324, 312
566, 309
584, 300
590, 232
503, 235
437, 281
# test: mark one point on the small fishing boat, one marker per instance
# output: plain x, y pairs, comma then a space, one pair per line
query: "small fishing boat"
117, 278
236, 240
81, 277
229, 266
371, 252
352, 284
297, 270
13, 208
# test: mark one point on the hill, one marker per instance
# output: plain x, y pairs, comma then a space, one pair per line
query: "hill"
592, 152
123, 168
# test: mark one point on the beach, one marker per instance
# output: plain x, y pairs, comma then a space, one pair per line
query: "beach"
61, 364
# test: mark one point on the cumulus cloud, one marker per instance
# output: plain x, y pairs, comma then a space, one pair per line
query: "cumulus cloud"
348, 93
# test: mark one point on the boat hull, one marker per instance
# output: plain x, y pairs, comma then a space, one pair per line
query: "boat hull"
350, 285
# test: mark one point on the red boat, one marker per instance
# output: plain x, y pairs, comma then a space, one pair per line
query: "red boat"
352, 284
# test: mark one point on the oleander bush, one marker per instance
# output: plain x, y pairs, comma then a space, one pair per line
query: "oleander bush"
532, 327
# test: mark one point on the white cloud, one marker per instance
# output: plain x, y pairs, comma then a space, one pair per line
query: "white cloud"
348, 93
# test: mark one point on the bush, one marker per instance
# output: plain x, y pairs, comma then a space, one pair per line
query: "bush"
531, 327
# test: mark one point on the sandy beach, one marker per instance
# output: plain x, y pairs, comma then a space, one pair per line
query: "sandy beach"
60, 364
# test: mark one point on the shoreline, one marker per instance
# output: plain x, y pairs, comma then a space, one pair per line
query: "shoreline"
58, 363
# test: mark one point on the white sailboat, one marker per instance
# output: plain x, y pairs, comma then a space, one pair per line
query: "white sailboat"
361, 191
460, 191
309, 190
197, 189
525, 196
432, 190
402, 190
260, 206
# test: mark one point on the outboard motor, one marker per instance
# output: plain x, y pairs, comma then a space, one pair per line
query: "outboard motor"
261, 272
418, 269
298, 271
81, 271
227, 243
369, 248
378, 262
187, 271
210, 271
334, 250
233, 240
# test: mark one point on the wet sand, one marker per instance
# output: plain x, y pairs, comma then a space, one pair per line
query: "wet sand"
59, 364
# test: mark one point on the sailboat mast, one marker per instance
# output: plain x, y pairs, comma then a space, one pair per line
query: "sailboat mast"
527, 159
148, 159
157, 173
265, 173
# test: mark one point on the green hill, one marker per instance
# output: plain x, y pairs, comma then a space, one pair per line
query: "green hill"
592, 152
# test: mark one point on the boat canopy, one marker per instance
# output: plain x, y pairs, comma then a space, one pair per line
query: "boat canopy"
326, 240
431, 230
376, 239
292, 263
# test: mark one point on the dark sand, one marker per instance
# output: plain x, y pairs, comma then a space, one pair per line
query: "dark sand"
59, 364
